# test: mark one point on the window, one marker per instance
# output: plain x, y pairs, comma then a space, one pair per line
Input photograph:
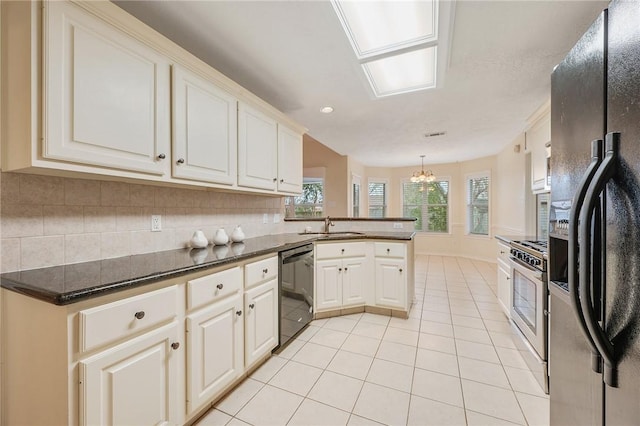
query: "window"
307, 204
355, 196
428, 203
478, 204
377, 198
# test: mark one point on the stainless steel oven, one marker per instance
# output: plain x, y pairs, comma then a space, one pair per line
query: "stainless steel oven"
530, 305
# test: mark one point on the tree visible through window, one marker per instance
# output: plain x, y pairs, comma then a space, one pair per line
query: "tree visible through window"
307, 204
428, 203
478, 204
377, 199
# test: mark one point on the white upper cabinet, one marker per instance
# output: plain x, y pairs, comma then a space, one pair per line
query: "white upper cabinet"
538, 143
269, 153
204, 130
94, 91
257, 149
289, 160
107, 94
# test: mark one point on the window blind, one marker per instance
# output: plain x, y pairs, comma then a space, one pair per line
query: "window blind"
377, 199
428, 203
478, 205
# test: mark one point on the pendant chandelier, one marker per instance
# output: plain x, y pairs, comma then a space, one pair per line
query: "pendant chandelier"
422, 176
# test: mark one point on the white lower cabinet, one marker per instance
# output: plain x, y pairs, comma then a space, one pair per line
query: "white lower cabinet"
261, 321
505, 291
340, 283
134, 383
214, 350
391, 282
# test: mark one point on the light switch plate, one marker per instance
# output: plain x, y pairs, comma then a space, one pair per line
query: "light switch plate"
397, 225
276, 218
156, 223
265, 218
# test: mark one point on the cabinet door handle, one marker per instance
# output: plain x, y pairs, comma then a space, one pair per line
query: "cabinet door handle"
161, 156
219, 286
251, 306
180, 161
501, 251
238, 313
175, 345
139, 315
265, 271
508, 278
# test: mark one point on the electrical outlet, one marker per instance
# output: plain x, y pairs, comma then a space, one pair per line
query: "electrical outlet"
276, 218
156, 223
265, 218
397, 225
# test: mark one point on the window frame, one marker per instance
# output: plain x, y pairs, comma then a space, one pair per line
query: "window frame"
468, 205
385, 210
448, 205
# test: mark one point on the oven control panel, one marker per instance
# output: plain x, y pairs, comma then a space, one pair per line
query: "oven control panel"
525, 257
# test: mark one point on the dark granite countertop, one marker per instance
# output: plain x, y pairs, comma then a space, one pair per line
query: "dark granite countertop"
508, 238
66, 284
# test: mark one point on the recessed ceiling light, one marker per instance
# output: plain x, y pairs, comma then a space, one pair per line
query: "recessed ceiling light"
326, 109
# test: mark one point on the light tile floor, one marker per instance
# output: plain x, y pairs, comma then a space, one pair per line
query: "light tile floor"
451, 363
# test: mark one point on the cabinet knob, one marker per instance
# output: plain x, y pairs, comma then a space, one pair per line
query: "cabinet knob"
275, 179
339, 269
219, 286
281, 180
251, 306
501, 251
265, 271
508, 278
345, 269
238, 313
400, 270
388, 251
139, 315
180, 161
175, 345
342, 251
161, 156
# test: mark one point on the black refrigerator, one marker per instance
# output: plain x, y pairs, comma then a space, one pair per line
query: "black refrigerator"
594, 238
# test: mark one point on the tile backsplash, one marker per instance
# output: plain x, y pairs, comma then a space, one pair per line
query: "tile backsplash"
46, 221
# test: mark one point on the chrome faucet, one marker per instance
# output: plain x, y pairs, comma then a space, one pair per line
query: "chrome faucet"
327, 223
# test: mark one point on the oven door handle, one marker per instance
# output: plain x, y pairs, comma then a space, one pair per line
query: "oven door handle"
527, 267
591, 202
573, 276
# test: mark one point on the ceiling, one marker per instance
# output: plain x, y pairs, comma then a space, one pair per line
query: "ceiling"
295, 56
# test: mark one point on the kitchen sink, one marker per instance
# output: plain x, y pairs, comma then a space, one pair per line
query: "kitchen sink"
328, 234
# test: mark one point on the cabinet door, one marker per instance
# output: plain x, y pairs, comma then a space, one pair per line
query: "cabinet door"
214, 350
205, 136
391, 283
134, 383
261, 321
504, 288
257, 149
289, 161
353, 281
538, 136
328, 284
106, 94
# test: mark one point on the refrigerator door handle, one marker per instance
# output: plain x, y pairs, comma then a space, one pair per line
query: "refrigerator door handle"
596, 187
573, 277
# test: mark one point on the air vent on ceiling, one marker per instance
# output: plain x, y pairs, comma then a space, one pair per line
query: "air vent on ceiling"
434, 134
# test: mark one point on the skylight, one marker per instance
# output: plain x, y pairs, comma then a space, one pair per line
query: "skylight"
394, 42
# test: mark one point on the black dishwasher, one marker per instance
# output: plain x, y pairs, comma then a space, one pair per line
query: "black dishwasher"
296, 291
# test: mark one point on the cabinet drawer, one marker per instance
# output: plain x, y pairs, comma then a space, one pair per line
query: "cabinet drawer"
503, 253
326, 251
390, 250
262, 270
117, 320
212, 287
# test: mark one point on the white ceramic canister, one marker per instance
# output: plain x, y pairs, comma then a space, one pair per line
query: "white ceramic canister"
198, 240
237, 236
220, 238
